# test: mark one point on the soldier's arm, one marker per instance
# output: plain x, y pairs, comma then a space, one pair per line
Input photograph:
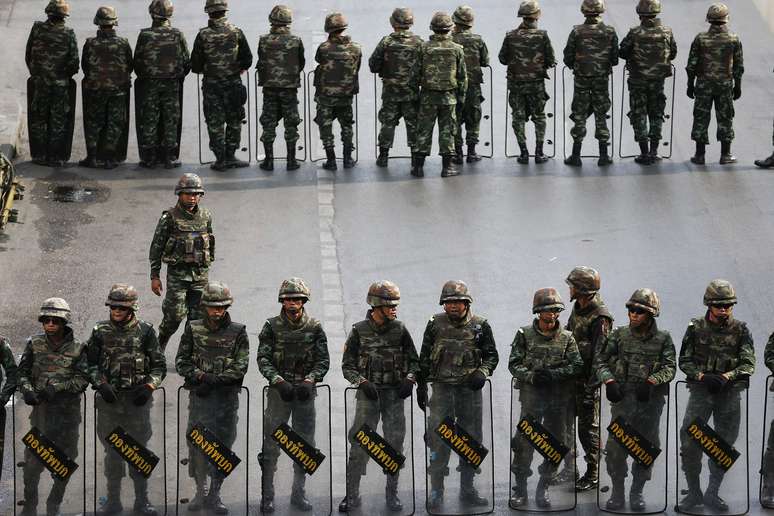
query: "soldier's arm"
627, 44
160, 237
569, 51
11, 371
746, 363
768, 354
237, 369
516, 359
462, 76
184, 55
349, 360
600, 329
24, 371
156, 358
667, 364
410, 351
428, 340
613, 47
73, 63
672, 47
301, 57
93, 354
483, 54
197, 57
129, 59
377, 58
602, 359
85, 59
322, 360
79, 377
244, 55
502, 56
416, 70
183, 363
574, 359
738, 66
549, 53
139, 49
686, 361
265, 356
692, 66
489, 356
28, 51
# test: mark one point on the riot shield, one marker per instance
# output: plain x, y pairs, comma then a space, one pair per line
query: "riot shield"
400, 147
140, 92
316, 151
280, 130
712, 435
766, 487
459, 420
245, 152
130, 452
213, 435
542, 435
568, 89
380, 445
486, 129
635, 456
121, 147
295, 456
510, 137
667, 130
49, 443
39, 146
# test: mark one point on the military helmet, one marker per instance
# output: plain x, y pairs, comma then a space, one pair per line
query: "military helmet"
441, 21
546, 299
383, 293
591, 7
123, 294
463, 15
455, 290
281, 15
106, 15
58, 8
161, 9
214, 6
717, 13
649, 7
293, 288
55, 307
719, 292
402, 18
529, 9
584, 280
334, 22
646, 299
190, 183
217, 294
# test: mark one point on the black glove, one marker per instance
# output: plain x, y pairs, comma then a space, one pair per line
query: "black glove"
737, 88
714, 382
406, 386
142, 394
476, 380
613, 392
210, 379
106, 391
285, 391
369, 390
691, 85
541, 378
304, 391
643, 391
47, 394
30, 398
203, 390
422, 395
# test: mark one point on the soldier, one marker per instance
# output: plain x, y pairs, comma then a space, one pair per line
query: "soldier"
336, 83
591, 53
293, 357
636, 365
114, 350
648, 50
52, 378
458, 353
184, 241
107, 68
221, 53
441, 73
280, 63
393, 59
476, 58
52, 59
380, 359
213, 357
544, 359
528, 54
767, 468
718, 354
8, 365
717, 61
161, 62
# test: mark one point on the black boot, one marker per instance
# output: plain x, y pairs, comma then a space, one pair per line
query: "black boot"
539, 156
435, 497
590, 479
170, 160
457, 157
574, 159
267, 488
654, 157
391, 494
200, 496
519, 494
384, 156
765, 163
468, 492
213, 500
524, 154
148, 157
220, 163
298, 493
348, 161
726, 158
767, 492
352, 499
268, 158
293, 163
636, 500
472, 155
142, 505
113, 501
417, 165
90, 161
604, 157
711, 497
330, 159
698, 158
542, 499
447, 168
694, 497
232, 161
617, 498
644, 157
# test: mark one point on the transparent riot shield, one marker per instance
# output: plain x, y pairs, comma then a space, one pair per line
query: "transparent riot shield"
295, 456
316, 151
628, 150
635, 452
49, 443
766, 487
380, 445
458, 452
486, 129
569, 90
712, 437
213, 434
511, 145
400, 147
280, 130
244, 152
130, 452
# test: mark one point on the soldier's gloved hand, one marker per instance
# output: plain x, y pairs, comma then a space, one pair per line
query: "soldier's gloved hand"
541, 378
142, 394
285, 391
209, 378
714, 382
106, 391
369, 390
476, 380
406, 386
643, 391
47, 394
737, 89
422, 395
30, 398
304, 390
613, 392
203, 390
690, 91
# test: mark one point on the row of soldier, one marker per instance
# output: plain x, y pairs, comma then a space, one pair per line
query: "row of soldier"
423, 82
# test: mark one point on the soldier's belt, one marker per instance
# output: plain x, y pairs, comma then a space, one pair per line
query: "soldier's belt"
296, 447
217, 453
136, 455
543, 441
635, 444
49, 454
461, 442
715, 447
380, 450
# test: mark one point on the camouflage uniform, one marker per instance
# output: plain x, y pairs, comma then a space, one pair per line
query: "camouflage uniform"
767, 467
8, 374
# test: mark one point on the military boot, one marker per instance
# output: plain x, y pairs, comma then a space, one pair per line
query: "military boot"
384, 157
765, 163
468, 492
447, 168
519, 494
726, 158
644, 157
653, 152
457, 157
197, 502
90, 161
330, 159
30, 507
352, 499
298, 494
574, 159
110, 163
170, 160
232, 161
636, 500
539, 156
391, 494
268, 158
589, 480
219, 164
698, 157
472, 154
569, 474
767, 492
711, 497
292, 163
435, 497
542, 499
213, 500
148, 157
267, 489
694, 497
523, 154
141, 503
113, 502
604, 157
417, 165
617, 499
347, 157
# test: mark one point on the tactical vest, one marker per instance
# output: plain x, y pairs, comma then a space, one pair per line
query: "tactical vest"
109, 66
400, 55
50, 44
592, 51
160, 54
336, 75
220, 45
381, 359
580, 326
650, 52
213, 351
189, 242
282, 51
543, 352
717, 55
53, 366
637, 357
455, 353
716, 348
470, 45
527, 54
123, 360
294, 346
439, 65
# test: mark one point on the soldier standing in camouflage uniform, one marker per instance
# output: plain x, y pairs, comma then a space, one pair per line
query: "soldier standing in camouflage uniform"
8, 365
636, 365
544, 359
52, 59
115, 349
476, 57
767, 468
648, 50
184, 241
293, 357
380, 359
442, 76
336, 83
221, 53
280, 64
393, 59
718, 358
591, 53
458, 353
52, 378
161, 62
213, 357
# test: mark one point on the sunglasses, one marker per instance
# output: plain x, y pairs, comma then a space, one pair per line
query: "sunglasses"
637, 310
119, 308
51, 320
725, 306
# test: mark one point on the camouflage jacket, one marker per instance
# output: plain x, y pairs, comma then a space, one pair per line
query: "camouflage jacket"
64, 366
338, 64
590, 327
180, 234
628, 357
452, 350
440, 71
533, 350
382, 354
220, 51
125, 355
712, 348
161, 52
768, 354
476, 53
107, 62
592, 49
52, 52
393, 59
293, 352
649, 50
9, 371
223, 351
280, 59
528, 54
716, 55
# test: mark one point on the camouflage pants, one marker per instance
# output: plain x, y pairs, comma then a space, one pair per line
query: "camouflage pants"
447, 127
389, 116
391, 409
280, 104
49, 116
304, 419
647, 103
184, 292
136, 422
339, 109
591, 96
219, 412
587, 414
224, 112
722, 95
528, 101
158, 115
469, 115
105, 119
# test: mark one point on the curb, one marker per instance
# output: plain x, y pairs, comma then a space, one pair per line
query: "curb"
11, 127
